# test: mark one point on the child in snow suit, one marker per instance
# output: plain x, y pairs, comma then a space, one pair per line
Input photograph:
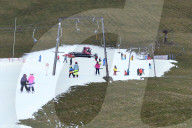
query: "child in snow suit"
76, 69
140, 71
71, 72
125, 73
58, 58
121, 56
31, 80
115, 70
97, 66
65, 59
128, 71
96, 56
103, 61
125, 56
149, 65
99, 61
40, 58
71, 61
24, 83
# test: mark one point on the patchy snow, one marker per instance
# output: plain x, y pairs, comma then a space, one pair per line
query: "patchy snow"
47, 86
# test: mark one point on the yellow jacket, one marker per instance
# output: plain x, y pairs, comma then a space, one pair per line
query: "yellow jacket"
115, 69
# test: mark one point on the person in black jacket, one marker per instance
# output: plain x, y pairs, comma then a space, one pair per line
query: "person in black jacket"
24, 83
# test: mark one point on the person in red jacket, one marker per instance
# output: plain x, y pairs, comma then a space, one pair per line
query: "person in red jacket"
58, 58
97, 66
140, 71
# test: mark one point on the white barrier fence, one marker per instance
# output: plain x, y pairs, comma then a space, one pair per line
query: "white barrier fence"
161, 57
12, 60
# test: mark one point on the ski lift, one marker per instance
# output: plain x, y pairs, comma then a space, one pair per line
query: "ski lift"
77, 21
34, 39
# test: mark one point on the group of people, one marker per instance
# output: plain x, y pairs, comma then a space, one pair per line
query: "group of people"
27, 83
140, 71
74, 71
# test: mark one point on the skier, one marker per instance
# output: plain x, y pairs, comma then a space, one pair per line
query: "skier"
65, 59
40, 58
31, 80
138, 71
115, 70
125, 73
132, 57
99, 61
71, 71
71, 61
103, 61
97, 66
24, 83
125, 56
76, 69
143, 71
58, 58
128, 71
121, 56
96, 56
149, 65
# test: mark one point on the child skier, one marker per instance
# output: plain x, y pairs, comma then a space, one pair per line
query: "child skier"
128, 71
97, 66
65, 59
99, 61
71, 61
40, 58
115, 70
149, 65
76, 69
24, 83
58, 58
121, 56
140, 72
31, 80
103, 61
71, 72
125, 56
96, 56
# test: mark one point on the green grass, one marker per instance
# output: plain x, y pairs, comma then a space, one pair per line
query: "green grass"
33, 13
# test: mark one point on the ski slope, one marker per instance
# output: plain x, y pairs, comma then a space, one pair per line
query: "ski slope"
47, 86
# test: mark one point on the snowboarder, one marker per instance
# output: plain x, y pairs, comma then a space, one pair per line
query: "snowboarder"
97, 66
99, 61
103, 61
24, 83
115, 70
58, 58
71, 72
76, 69
65, 59
138, 71
40, 58
149, 65
31, 80
121, 56
71, 61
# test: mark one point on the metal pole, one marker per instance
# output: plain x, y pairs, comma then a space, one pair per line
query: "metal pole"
105, 52
14, 38
56, 49
129, 58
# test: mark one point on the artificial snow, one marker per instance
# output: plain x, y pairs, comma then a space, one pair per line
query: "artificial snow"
48, 87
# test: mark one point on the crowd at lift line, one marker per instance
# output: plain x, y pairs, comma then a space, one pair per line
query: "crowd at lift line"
29, 83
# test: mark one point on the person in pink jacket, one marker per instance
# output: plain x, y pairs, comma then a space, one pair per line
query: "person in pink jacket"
97, 66
31, 82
